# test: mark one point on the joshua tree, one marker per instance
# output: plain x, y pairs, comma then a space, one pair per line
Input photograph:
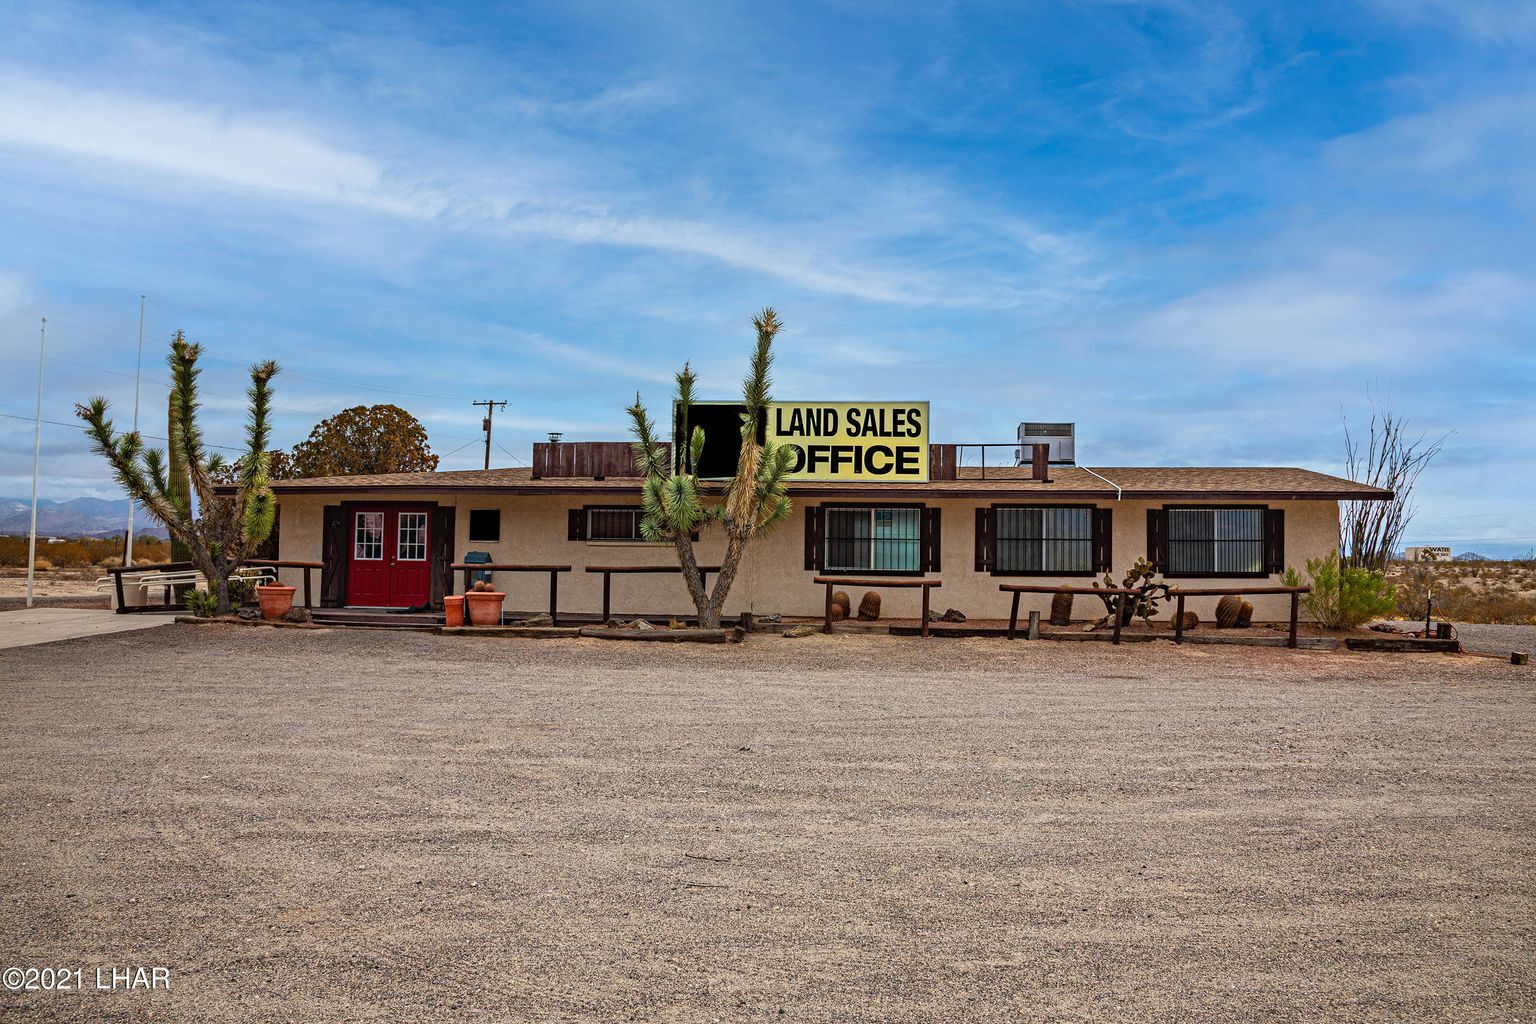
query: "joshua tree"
753, 501
224, 527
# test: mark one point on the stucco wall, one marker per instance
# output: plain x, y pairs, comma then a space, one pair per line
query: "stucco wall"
533, 530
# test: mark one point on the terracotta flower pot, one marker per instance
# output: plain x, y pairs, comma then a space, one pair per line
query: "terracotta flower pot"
275, 600
453, 610
484, 607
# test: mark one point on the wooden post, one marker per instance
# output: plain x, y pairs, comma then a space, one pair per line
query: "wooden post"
307, 603
926, 591
1295, 614
607, 579
1034, 626
1119, 614
121, 606
1013, 617
466, 579
554, 596
1178, 622
826, 626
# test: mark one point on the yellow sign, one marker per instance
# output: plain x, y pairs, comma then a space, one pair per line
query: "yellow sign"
876, 442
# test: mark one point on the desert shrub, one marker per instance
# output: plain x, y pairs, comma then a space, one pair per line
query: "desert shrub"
1343, 597
79, 552
41, 564
1479, 594
200, 603
241, 590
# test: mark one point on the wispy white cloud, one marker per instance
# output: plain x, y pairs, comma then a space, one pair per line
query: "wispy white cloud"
1496, 21
274, 156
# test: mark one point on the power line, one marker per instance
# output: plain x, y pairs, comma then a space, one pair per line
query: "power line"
152, 437
514, 458
107, 331
490, 410
304, 413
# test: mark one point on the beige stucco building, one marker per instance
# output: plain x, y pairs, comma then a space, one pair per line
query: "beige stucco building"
389, 540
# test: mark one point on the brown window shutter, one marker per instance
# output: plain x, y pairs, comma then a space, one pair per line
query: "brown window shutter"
986, 539
932, 532
1103, 539
1274, 540
442, 553
815, 518
334, 549
1157, 538
576, 524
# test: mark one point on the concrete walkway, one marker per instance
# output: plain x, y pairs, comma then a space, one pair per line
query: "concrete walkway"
45, 625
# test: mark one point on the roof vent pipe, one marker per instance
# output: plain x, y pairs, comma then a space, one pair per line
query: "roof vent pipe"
1041, 463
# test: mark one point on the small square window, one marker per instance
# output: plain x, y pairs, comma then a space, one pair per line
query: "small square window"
485, 524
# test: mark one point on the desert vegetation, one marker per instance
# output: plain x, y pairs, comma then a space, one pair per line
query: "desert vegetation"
1496, 592
80, 552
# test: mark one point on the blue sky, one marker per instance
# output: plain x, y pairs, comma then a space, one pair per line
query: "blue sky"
1201, 231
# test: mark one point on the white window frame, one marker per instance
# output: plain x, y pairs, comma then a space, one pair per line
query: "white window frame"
357, 526
421, 531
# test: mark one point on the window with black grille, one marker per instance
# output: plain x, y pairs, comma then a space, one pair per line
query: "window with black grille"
1046, 540
485, 524
1216, 542
874, 539
616, 523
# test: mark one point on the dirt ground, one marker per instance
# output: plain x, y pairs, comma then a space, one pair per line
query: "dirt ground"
343, 825
50, 583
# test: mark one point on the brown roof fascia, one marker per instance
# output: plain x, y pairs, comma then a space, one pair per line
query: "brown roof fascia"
929, 492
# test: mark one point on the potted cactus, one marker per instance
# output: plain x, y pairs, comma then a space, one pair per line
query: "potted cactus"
276, 600
483, 605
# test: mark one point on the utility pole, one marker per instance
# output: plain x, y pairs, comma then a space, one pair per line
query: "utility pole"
137, 374
490, 410
37, 451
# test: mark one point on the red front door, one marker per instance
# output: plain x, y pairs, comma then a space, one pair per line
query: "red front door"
390, 566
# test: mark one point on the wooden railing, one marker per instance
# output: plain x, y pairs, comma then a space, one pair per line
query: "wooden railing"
609, 571
467, 568
1180, 595
1177, 594
883, 582
117, 572
1035, 588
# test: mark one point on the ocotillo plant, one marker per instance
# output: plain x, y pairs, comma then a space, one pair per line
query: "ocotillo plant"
676, 503
222, 528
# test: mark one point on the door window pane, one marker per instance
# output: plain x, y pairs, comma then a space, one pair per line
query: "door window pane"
411, 543
368, 541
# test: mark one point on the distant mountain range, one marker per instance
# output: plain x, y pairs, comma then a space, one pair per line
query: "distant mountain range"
77, 517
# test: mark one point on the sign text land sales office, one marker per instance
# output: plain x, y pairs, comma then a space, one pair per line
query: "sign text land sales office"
869, 441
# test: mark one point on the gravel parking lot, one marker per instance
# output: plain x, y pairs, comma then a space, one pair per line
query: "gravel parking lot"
357, 826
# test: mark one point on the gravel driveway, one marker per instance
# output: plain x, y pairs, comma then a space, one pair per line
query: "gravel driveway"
364, 826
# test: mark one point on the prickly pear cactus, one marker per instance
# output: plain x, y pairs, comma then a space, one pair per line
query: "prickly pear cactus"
1141, 578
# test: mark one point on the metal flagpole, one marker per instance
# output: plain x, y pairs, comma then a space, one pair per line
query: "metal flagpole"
137, 372
37, 451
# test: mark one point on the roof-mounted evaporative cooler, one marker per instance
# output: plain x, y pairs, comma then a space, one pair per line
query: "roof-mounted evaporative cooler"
1059, 436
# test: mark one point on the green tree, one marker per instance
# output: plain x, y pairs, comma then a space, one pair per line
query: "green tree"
222, 528
364, 439
754, 500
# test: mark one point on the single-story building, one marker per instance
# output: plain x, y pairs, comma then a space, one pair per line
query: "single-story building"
389, 540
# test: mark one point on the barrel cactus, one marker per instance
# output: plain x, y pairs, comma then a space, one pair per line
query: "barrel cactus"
1061, 610
1227, 611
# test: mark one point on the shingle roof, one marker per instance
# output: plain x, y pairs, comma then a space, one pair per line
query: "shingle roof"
1258, 483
